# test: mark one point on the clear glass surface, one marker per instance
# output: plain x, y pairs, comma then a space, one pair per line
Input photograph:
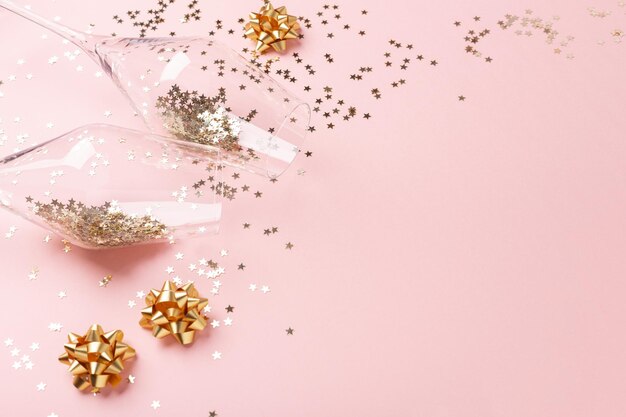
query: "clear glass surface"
103, 186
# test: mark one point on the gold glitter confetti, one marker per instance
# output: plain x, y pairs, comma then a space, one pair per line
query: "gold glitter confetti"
96, 358
225, 190
67, 247
98, 226
156, 16
472, 38
594, 12
204, 120
34, 273
105, 281
617, 35
528, 24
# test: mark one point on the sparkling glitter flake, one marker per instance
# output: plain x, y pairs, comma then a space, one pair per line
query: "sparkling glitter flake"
105, 281
34, 273
55, 327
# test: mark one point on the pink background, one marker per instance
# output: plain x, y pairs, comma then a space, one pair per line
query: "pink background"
451, 258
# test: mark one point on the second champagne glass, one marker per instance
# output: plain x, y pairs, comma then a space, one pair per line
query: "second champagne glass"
198, 90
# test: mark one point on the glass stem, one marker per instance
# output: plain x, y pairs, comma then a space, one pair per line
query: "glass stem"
84, 41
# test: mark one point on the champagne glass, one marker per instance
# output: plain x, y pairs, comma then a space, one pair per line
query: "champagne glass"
200, 91
102, 186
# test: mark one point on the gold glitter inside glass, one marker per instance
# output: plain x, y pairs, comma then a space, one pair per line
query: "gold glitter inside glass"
99, 226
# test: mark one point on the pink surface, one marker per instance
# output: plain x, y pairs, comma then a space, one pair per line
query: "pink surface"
451, 258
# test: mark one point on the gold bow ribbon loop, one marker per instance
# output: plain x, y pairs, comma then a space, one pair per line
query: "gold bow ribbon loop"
272, 28
175, 311
96, 358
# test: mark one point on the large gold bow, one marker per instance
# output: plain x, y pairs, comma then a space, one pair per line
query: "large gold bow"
272, 28
174, 310
97, 358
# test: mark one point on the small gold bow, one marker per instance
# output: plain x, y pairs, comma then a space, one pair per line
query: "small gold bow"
96, 358
174, 310
272, 28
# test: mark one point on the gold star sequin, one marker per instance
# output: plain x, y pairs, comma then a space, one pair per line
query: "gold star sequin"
105, 281
200, 119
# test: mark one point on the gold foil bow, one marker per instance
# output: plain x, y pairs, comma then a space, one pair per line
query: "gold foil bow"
272, 28
176, 311
97, 358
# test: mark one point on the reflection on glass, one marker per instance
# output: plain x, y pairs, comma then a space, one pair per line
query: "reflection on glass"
102, 186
